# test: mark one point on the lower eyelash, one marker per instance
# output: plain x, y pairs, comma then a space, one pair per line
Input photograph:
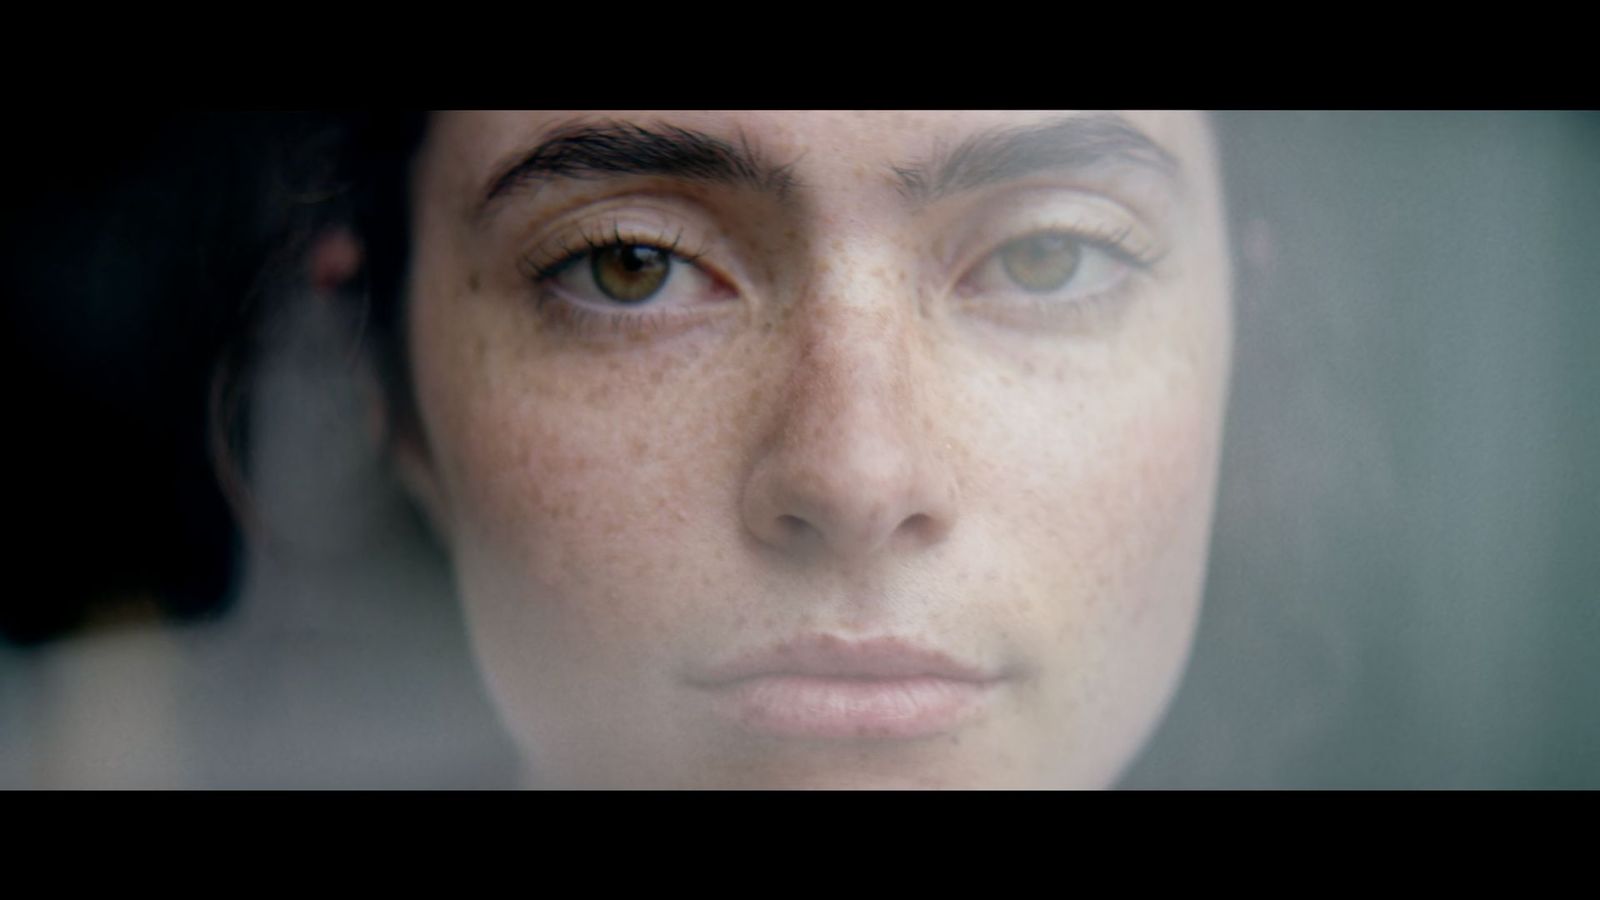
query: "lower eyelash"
1088, 313
577, 319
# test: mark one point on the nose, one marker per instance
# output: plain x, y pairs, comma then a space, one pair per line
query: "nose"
852, 465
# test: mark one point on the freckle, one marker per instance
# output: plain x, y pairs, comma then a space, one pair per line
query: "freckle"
473, 282
598, 393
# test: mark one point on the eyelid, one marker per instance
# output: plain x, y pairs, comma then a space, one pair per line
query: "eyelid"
567, 297
1094, 219
655, 218
564, 248
1115, 245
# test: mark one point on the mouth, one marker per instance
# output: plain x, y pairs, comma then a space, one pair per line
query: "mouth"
833, 688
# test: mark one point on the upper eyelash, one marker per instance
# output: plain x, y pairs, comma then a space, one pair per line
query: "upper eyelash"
1115, 242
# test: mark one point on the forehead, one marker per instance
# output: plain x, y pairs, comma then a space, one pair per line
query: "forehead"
466, 150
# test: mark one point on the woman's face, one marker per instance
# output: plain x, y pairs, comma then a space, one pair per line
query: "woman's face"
822, 449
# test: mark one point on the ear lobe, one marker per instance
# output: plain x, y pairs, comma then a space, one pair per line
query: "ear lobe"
334, 258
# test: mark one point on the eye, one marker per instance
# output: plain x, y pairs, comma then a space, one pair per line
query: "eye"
1041, 262
631, 274
1057, 264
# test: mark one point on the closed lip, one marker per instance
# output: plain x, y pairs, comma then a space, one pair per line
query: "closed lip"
827, 656
826, 687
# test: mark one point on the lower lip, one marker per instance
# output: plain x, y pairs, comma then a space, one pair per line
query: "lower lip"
814, 706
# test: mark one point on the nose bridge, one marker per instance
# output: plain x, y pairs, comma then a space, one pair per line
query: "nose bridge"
850, 461
851, 374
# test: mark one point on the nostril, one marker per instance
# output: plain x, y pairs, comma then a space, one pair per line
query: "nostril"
921, 526
850, 534
795, 533
854, 496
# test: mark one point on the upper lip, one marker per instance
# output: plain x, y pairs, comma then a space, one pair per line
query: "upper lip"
828, 656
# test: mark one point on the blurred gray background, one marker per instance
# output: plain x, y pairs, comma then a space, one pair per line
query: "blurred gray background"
1405, 580
1403, 590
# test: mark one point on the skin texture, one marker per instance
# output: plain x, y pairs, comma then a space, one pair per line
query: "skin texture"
851, 426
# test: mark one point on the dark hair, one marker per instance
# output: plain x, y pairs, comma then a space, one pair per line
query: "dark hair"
327, 171
140, 287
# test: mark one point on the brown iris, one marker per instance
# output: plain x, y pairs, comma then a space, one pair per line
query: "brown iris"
1042, 262
630, 273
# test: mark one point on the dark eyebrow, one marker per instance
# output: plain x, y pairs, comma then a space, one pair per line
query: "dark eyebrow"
1006, 154
611, 149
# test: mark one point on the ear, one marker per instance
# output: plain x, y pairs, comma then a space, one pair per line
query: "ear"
334, 259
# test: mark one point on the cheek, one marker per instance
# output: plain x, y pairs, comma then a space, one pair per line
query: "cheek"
580, 501
581, 495
591, 495
1142, 477
1112, 469
1105, 496
1109, 513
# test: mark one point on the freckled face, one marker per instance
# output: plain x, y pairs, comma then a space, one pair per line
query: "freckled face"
834, 449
